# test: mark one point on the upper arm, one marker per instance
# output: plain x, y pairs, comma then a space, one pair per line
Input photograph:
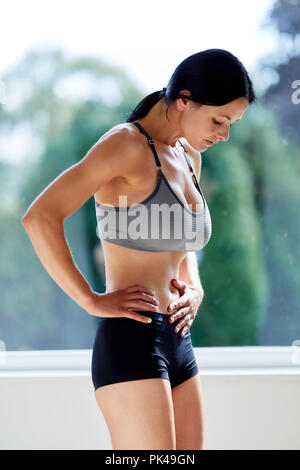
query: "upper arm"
197, 163
109, 157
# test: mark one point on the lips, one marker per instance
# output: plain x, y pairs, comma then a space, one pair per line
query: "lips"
209, 142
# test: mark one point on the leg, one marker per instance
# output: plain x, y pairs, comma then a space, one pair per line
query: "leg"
188, 414
138, 413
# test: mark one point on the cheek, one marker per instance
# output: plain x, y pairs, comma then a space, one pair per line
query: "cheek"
199, 133
196, 129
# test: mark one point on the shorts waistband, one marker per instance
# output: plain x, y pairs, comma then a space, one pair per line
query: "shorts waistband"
155, 315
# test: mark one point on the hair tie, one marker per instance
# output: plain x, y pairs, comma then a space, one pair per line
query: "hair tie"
164, 89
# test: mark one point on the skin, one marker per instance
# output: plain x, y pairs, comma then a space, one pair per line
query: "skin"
140, 414
192, 124
167, 418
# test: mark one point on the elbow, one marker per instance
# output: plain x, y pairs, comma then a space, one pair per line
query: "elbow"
26, 220
33, 218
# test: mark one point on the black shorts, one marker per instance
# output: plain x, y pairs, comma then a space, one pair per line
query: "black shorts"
126, 349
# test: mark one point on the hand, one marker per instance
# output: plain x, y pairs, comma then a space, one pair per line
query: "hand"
122, 302
186, 306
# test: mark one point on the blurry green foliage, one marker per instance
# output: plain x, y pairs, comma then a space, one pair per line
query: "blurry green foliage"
249, 269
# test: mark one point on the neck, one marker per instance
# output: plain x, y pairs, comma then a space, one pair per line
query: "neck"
159, 127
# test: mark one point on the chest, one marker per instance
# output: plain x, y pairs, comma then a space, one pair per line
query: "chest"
143, 181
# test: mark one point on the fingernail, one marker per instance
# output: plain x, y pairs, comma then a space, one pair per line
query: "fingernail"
149, 320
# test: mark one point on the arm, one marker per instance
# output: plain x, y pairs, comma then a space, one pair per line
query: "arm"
43, 221
189, 273
48, 239
188, 269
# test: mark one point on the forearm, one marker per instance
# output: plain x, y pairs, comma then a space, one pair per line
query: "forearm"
48, 239
189, 272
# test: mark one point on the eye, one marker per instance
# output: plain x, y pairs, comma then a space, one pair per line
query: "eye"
217, 122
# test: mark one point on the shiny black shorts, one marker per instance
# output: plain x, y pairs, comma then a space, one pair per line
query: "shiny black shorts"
126, 349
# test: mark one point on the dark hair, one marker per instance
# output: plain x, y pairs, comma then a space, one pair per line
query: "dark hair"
214, 77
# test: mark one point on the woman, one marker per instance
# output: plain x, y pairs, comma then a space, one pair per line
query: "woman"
144, 373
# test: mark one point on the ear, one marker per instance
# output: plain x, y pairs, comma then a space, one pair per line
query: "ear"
185, 92
181, 103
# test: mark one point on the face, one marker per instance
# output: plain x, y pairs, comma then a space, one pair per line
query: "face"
204, 126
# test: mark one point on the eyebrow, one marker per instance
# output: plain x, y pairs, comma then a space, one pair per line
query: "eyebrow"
228, 117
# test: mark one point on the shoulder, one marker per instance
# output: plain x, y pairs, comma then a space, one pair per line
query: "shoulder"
122, 135
123, 144
195, 156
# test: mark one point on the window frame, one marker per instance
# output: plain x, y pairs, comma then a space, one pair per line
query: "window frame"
211, 361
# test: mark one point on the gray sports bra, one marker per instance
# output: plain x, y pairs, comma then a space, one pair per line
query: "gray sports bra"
159, 223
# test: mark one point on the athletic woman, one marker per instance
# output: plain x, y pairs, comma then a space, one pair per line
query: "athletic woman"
152, 217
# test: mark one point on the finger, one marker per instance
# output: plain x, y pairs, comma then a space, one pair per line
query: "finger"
184, 330
185, 320
180, 284
141, 305
179, 312
178, 303
138, 288
135, 316
150, 298
176, 315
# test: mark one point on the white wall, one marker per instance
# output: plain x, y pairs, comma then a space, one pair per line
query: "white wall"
243, 410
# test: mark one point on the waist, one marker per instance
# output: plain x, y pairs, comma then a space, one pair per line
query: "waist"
125, 267
164, 292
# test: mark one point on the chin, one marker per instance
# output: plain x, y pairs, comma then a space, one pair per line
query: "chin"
202, 147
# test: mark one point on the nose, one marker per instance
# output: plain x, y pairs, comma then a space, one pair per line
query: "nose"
224, 134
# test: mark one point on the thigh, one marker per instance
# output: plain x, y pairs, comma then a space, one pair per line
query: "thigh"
139, 413
188, 414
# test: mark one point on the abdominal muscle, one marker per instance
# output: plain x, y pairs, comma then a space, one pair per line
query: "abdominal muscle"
125, 267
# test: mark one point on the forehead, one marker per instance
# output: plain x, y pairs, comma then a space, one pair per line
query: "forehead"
233, 110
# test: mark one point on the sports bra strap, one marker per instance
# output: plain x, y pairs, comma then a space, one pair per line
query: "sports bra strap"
191, 168
150, 140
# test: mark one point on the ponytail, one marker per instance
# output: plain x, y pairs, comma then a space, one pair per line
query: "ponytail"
145, 105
